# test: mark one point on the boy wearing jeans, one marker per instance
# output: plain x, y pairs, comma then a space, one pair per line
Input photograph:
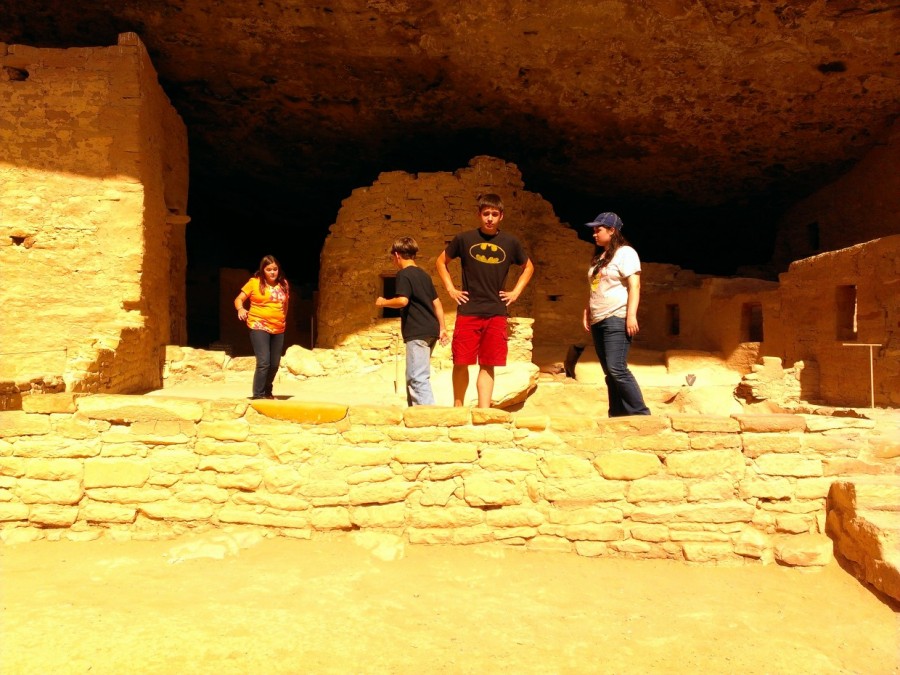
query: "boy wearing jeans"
421, 319
480, 335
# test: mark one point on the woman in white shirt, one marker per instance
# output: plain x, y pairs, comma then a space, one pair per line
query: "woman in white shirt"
611, 314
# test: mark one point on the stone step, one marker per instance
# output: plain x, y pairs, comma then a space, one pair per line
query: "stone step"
864, 521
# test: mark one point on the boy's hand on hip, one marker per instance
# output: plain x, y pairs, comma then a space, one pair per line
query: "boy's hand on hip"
509, 297
461, 297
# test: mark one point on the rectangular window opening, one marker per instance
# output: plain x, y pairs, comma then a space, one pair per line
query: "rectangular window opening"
673, 320
752, 322
845, 316
389, 290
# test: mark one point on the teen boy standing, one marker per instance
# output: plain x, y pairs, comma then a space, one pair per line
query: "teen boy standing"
421, 319
480, 335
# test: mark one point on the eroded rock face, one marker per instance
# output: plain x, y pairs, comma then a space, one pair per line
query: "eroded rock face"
705, 102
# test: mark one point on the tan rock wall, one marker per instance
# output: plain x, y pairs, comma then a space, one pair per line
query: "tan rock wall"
696, 488
433, 208
863, 204
93, 169
808, 316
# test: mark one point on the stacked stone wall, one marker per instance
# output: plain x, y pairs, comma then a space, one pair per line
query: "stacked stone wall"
94, 169
697, 488
433, 208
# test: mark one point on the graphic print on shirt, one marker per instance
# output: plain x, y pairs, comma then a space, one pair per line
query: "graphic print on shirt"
487, 252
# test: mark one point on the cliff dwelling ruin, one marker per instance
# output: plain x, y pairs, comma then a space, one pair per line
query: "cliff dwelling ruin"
153, 152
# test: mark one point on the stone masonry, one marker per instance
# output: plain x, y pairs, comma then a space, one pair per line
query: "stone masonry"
695, 488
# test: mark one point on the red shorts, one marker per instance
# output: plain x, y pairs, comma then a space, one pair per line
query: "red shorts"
480, 339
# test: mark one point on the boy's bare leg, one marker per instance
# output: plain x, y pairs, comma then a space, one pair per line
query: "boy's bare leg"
485, 386
460, 384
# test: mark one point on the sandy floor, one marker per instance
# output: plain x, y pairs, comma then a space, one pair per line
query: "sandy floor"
236, 603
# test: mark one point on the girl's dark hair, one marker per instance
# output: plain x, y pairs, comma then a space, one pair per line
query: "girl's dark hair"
261, 272
602, 257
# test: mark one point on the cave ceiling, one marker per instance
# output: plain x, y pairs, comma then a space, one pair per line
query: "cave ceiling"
704, 102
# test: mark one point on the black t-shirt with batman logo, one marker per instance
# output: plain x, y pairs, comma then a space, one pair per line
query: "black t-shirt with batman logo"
485, 261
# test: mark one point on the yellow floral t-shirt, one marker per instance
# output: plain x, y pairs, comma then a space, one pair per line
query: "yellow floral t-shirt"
268, 306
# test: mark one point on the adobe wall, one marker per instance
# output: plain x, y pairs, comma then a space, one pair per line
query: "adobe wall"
862, 204
94, 169
807, 320
433, 208
697, 488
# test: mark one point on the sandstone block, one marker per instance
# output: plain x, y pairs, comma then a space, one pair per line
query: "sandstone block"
844, 466
224, 409
513, 535
503, 459
716, 442
63, 402
370, 415
32, 491
583, 491
172, 510
765, 488
51, 469
565, 466
301, 412
168, 432
652, 490
20, 423
437, 493
591, 549
653, 533
427, 453
349, 455
232, 464
101, 473
705, 423
450, 517
546, 441
51, 515
638, 548
706, 551
789, 465
436, 416
812, 488
47, 447
331, 518
706, 464
586, 514
250, 516
224, 430
201, 493
362, 435
240, 481
72, 426
592, 532
108, 513
420, 434
794, 523
751, 543
209, 446
816, 423
276, 501
756, 445
438, 472
663, 442
548, 543
573, 424
128, 495
492, 491
490, 416
323, 488
627, 465
281, 479
11, 511
123, 409
710, 490
377, 474
174, 461
647, 425
514, 517
532, 422
481, 434
379, 516
381, 493
770, 423
13, 466
804, 550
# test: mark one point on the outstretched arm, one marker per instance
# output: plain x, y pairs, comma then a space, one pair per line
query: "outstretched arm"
509, 297
398, 302
461, 297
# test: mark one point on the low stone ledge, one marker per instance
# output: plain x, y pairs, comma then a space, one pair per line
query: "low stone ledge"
705, 423
436, 416
123, 409
770, 423
63, 402
301, 412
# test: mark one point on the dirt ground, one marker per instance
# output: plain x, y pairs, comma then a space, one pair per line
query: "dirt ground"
366, 603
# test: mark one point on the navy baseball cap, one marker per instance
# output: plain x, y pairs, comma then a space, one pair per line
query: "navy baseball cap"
607, 219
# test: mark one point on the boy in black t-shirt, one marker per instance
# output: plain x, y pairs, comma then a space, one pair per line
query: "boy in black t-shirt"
421, 319
480, 335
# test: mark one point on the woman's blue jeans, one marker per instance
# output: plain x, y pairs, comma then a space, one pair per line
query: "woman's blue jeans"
612, 342
418, 372
267, 349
